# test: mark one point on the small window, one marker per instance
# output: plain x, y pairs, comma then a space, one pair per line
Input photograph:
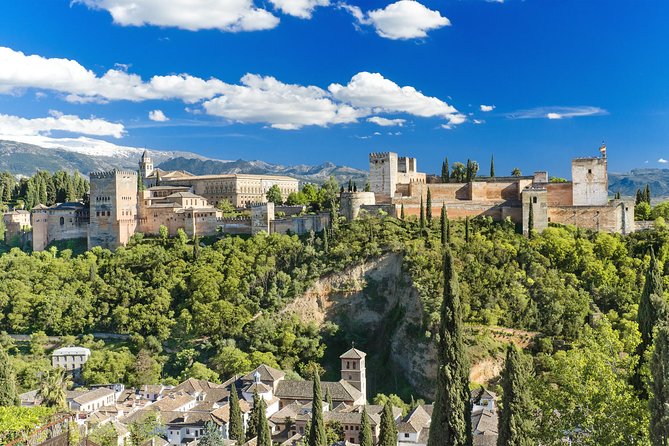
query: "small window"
534, 199
62, 221
406, 435
589, 171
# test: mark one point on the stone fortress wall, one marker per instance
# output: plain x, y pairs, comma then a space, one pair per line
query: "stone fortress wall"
583, 202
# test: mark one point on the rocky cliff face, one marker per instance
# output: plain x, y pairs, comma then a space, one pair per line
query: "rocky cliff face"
378, 299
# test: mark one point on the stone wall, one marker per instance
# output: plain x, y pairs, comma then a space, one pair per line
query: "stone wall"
559, 194
618, 216
113, 211
302, 224
383, 173
538, 197
351, 202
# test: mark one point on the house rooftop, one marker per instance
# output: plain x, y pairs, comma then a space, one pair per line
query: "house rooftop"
353, 353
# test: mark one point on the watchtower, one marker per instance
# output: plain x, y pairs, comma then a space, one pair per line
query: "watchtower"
383, 168
113, 212
353, 370
145, 165
590, 181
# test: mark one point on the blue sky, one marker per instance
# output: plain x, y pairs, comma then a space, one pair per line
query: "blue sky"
297, 81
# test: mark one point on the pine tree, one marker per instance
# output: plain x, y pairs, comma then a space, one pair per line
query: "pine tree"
492, 166
368, 187
365, 438
264, 433
516, 420
328, 399
236, 428
254, 419
422, 213
444, 224
317, 436
530, 220
9, 395
445, 174
659, 400
467, 229
451, 415
402, 212
428, 208
212, 436
388, 428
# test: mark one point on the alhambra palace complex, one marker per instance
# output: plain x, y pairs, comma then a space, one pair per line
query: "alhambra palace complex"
180, 200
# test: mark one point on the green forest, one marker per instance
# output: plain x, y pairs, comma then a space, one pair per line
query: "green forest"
209, 310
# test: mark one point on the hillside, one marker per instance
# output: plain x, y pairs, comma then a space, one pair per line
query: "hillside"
316, 174
86, 155
628, 183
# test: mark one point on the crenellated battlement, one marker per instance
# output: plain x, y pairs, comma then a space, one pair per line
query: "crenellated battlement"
110, 174
379, 156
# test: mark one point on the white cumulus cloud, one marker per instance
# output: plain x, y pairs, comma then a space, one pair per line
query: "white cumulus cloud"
662, 161
264, 99
192, 15
404, 19
18, 126
299, 8
19, 71
158, 116
385, 122
380, 95
487, 108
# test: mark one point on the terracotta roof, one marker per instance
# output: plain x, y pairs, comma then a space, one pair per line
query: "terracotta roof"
267, 373
303, 390
258, 387
172, 402
93, 395
417, 420
353, 354
485, 422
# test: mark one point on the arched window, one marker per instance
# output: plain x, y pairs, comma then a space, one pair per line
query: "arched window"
62, 221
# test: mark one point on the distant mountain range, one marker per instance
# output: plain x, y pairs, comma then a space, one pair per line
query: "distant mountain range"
628, 183
88, 155
315, 174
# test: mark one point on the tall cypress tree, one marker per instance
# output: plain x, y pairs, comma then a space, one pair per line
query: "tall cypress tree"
492, 166
9, 395
646, 194
254, 419
444, 223
264, 433
422, 213
236, 428
659, 400
445, 174
639, 197
516, 420
388, 428
328, 399
428, 207
467, 229
651, 309
468, 171
317, 436
365, 438
326, 242
402, 212
451, 416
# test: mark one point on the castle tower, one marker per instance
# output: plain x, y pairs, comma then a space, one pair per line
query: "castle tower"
39, 219
145, 165
353, 370
538, 196
262, 215
383, 168
590, 181
113, 211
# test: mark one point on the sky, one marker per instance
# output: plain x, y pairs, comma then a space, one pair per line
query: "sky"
532, 82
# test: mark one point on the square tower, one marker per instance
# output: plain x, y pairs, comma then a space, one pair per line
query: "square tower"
383, 168
590, 182
113, 213
353, 370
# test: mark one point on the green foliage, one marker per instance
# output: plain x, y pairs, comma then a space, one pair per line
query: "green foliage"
516, 419
530, 221
212, 435
381, 400
255, 418
105, 435
317, 435
659, 399
388, 428
365, 437
642, 211
274, 195
583, 392
445, 175
144, 428
334, 432
422, 213
516, 172
492, 166
451, 415
52, 389
236, 427
8, 392
109, 366
428, 209
264, 433
458, 172
16, 421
